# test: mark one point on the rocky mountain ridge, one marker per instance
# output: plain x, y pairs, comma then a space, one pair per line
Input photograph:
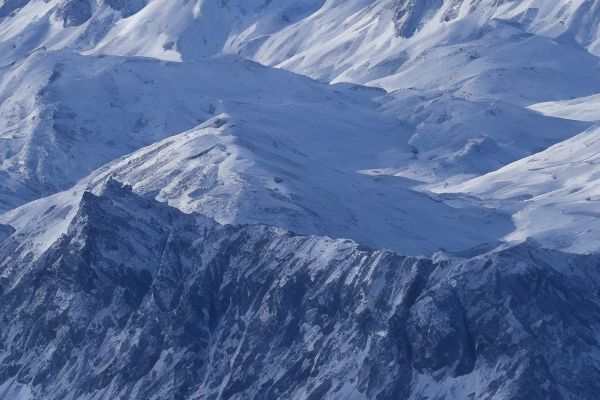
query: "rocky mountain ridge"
139, 300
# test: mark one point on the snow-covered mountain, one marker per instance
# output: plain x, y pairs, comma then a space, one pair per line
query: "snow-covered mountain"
65, 115
285, 199
473, 68
233, 171
331, 38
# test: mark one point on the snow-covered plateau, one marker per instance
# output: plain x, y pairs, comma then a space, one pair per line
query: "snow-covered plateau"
299, 199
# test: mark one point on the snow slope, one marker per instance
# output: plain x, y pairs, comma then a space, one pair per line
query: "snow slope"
579, 109
239, 172
483, 56
358, 40
454, 137
167, 30
553, 194
470, 71
462, 75
486, 48
65, 115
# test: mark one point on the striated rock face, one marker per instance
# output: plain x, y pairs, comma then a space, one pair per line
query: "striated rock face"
74, 12
5, 232
9, 6
410, 15
126, 7
141, 301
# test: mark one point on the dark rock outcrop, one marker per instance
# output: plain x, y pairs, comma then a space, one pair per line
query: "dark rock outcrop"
5, 232
126, 7
74, 12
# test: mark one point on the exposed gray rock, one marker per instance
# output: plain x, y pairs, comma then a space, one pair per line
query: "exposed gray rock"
411, 15
5, 232
74, 12
8, 6
126, 7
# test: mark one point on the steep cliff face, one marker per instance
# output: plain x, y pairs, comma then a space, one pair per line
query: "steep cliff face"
413, 14
568, 20
5, 232
139, 300
127, 8
74, 12
9, 6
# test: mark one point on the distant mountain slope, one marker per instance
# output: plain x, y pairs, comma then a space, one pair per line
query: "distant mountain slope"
579, 109
493, 48
553, 194
304, 180
465, 75
454, 136
170, 30
358, 40
463, 57
64, 115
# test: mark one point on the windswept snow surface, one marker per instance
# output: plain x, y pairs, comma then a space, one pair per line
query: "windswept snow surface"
469, 87
65, 115
580, 109
236, 172
554, 194
454, 137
